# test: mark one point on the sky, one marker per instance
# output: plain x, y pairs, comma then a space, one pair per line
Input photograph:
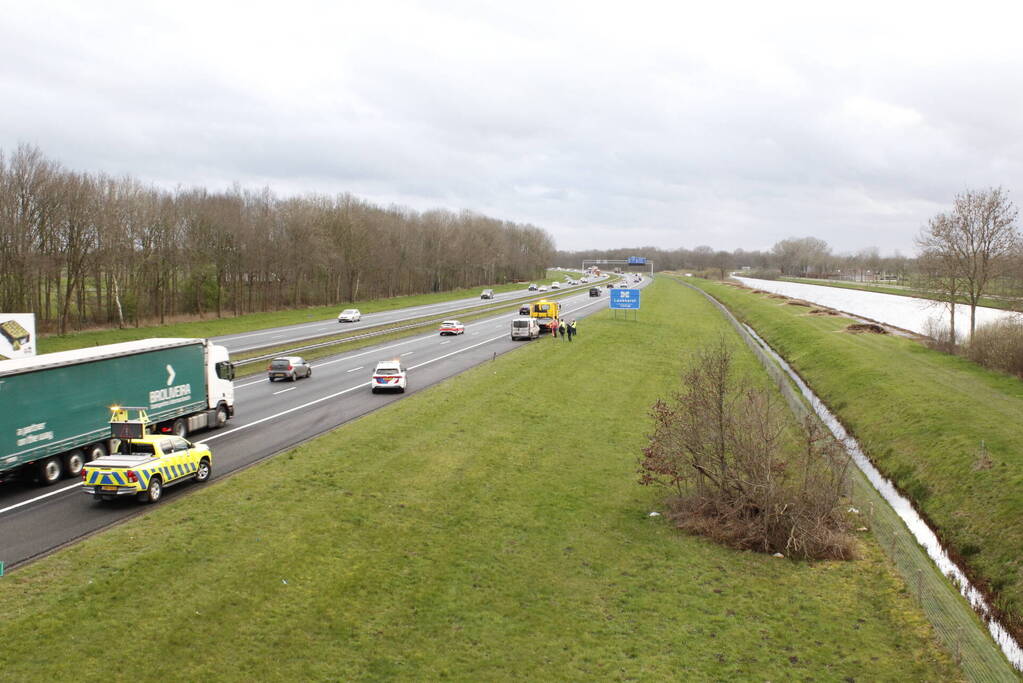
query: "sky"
669, 124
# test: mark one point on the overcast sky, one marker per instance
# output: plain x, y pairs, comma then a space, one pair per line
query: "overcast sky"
609, 124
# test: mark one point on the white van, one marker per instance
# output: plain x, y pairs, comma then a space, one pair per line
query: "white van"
525, 328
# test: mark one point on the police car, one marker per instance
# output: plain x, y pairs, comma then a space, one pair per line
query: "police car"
389, 375
451, 327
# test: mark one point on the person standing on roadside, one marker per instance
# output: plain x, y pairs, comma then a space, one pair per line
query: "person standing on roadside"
562, 327
571, 330
554, 328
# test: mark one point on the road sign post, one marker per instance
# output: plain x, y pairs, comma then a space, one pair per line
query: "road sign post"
625, 300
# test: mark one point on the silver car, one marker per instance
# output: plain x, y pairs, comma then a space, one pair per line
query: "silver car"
288, 367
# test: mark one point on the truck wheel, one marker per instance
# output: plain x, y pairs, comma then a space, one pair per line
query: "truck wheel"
204, 471
96, 450
153, 493
50, 470
221, 416
179, 428
74, 462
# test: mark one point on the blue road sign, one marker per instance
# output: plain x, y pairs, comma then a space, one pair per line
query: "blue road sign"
625, 298
637, 260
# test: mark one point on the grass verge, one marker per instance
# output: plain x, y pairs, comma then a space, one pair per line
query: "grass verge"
215, 327
943, 429
489, 528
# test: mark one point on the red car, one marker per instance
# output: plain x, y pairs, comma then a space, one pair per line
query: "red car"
451, 327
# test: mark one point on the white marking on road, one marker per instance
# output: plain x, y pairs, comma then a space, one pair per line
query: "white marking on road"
45, 495
407, 353
354, 369
445, 342
285, 390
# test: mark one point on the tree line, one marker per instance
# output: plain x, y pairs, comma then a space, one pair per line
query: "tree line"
81, 249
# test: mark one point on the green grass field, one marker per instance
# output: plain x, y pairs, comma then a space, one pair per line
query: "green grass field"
490, 528
945, 430
215, 327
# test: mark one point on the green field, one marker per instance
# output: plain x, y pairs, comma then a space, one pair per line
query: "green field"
215, 327
490, 528
945, 430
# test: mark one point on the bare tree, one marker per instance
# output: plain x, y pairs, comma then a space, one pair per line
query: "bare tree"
974, 242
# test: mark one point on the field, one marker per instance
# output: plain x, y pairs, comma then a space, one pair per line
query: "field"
490, 528
945, 430
1007, 303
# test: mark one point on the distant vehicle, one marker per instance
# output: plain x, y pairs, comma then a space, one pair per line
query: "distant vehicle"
610, 286
487, 294
543, 288
594, 291
525, 328
389, 375
451, 327
573, 282
524, 309
532, 287
555, 285
349, 315
584, 280
288, 367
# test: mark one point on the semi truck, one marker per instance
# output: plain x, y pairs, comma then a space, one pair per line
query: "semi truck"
55, 407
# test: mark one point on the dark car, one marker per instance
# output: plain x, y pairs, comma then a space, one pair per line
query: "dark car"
524, 310
289, 367
594, 291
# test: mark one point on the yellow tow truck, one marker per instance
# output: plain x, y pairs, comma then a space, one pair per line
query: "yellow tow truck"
144, 464
544, 312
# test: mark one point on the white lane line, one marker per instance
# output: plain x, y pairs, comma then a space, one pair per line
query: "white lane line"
282, 391
407, 353
445, 342
45, 495
354, 369
258, 381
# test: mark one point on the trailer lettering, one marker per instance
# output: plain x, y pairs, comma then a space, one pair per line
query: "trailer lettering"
33, 433
169, 396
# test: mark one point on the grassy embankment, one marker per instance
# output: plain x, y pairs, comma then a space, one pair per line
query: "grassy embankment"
945, 430
490, 528
214, 327
986, 301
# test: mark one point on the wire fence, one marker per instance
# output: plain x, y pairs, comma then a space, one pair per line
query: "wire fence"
956, 624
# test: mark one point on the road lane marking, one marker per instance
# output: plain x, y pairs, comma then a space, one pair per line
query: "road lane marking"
448, 341
407, 353
284, 390
354, 369
45, 495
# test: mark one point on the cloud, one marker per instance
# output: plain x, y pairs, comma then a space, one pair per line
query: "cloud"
734, 124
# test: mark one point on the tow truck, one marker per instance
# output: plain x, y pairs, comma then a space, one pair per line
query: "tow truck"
144, 464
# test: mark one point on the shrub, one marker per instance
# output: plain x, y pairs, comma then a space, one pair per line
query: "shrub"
725, 450
999, 346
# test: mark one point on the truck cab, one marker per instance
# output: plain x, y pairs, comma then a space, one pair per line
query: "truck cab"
544, 312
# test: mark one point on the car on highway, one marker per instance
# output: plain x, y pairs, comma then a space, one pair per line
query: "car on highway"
543, 288
487, 294
389, 375
349, 315
594, 291
532, 287
584, 280
144, 467
288, 367
525, 328
451, 327
524, 309
555, 285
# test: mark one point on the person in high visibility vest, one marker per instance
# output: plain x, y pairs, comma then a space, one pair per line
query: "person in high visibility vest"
571, 330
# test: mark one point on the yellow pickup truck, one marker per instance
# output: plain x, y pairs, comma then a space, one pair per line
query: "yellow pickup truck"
144, 466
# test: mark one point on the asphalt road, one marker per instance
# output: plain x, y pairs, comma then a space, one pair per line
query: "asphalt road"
270, 417
247, 341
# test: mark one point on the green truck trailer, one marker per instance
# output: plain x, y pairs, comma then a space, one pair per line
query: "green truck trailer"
55, 407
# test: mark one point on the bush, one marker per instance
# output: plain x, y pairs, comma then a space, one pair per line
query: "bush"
723, 448
999, 346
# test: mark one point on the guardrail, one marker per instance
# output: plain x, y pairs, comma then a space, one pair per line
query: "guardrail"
421, 321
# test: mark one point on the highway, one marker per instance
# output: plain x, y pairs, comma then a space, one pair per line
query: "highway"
270, 418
